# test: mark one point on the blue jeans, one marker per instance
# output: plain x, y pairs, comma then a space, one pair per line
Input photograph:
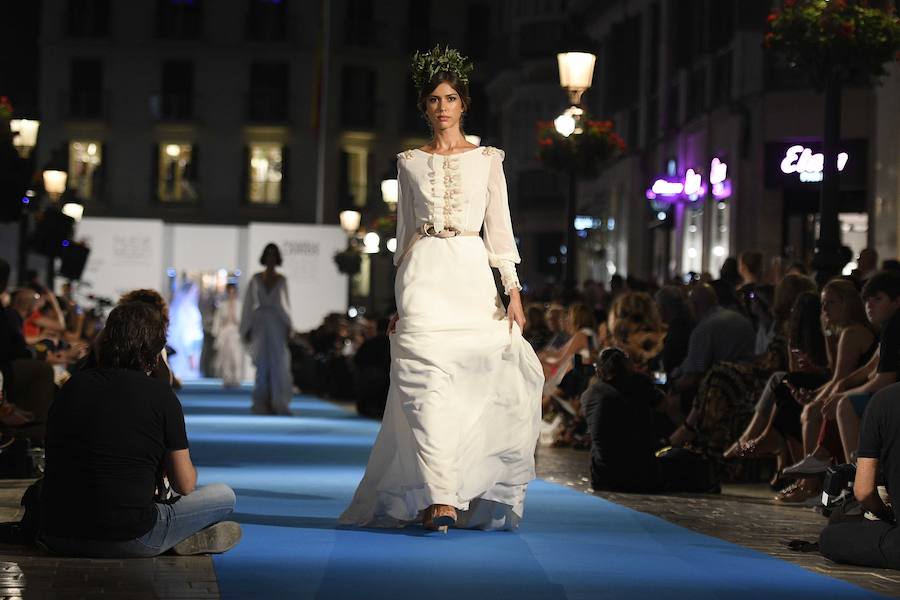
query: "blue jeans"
174, 523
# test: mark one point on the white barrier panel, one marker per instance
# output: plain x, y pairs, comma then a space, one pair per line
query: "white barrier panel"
204, 248
125, 254
315, 286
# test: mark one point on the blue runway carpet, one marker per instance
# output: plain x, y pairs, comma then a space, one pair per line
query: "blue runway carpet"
294, 475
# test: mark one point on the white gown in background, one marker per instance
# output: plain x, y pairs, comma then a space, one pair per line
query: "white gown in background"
229, 351
266, 321
464, 408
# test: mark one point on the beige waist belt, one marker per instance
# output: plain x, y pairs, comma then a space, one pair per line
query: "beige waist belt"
427, 230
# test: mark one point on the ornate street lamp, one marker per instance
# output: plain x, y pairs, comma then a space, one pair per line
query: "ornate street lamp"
350, 220
25, 132
390, 193
74, 210
576, 73
55, 183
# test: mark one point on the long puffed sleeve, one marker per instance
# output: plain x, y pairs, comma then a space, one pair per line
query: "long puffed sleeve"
284, 305
498, 233
406, 214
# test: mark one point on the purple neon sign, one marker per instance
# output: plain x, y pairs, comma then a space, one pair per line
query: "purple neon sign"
691, 187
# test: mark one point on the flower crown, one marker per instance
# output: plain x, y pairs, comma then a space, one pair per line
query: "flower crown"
426, 65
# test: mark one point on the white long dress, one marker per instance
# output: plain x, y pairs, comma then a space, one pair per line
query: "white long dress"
266, 321
229, 351
463, 412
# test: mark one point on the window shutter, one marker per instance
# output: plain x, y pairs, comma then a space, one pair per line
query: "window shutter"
284, 192
154, 173
245, 175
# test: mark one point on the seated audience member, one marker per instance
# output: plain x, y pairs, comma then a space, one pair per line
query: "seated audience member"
537, 332
556, 321
866, 266
720, 335
845, 402
882, 297
725, 399
373, 368
861, 540
27, 381
619, 410
112, 434
635, 326
582, 330
675, 313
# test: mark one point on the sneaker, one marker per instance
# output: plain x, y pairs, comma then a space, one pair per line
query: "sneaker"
215, 539
808, 466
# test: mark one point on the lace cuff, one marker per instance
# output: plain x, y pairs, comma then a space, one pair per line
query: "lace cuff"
508, 276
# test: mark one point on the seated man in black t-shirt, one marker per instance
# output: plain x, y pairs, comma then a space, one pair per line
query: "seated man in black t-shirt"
112, 434
873, 541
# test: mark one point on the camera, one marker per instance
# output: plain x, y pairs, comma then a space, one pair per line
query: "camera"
838, 488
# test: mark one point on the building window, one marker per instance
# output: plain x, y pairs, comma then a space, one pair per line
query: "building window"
268, 98
721, 78
719, 246
696, 92
86, 89
266, 20
692, 256
178, 19
359, 24
176, 173
87, 18
358, 97
85, 159
177, 101
266, 169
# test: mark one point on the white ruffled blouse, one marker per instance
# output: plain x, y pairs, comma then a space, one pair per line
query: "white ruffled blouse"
462, 191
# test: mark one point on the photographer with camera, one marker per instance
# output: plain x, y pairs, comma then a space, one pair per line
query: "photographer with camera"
872, 539
113, 435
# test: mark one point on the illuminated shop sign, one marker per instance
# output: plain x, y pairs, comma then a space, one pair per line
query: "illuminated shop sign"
808, 165
799, 164
691, 187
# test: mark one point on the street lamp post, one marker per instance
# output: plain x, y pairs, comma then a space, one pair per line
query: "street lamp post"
576, 73
350, 220
25, 132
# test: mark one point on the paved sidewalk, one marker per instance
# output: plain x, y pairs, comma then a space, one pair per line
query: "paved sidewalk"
30, 574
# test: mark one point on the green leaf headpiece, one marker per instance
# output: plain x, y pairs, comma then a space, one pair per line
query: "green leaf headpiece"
428, 64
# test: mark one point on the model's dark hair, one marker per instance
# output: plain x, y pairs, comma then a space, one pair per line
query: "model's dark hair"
134, 336
883, 281
270, 247
450, 79
151, 298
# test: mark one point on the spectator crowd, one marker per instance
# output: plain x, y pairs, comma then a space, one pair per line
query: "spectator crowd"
674, 387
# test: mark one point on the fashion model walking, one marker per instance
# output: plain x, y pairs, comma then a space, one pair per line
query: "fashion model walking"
457, 441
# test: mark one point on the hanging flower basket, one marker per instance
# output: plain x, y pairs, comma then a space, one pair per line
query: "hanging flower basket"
836, 38
385, 226
349, 261
6, 108
584, 152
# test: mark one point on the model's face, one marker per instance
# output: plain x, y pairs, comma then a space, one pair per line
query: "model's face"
444, 108
880, 308
832, 307
270, 259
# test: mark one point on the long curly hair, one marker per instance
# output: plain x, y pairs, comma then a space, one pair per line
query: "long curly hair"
635, 326
150, 298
